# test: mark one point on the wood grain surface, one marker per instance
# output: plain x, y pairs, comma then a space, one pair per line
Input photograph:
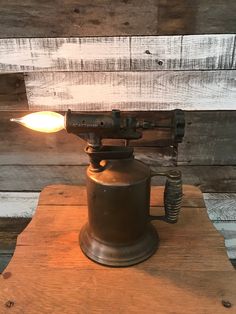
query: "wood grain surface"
192, 52
113, 18
158, 90
62, 279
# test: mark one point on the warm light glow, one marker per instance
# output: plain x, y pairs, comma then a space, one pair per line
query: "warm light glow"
44, 121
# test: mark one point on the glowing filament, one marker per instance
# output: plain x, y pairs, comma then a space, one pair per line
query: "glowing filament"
44, 121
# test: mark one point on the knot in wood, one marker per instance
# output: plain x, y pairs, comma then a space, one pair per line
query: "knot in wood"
9, 303
226, 303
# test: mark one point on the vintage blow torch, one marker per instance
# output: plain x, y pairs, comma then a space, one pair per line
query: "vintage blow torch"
119, 230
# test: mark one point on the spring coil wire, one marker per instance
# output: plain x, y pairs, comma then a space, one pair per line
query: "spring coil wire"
173, 196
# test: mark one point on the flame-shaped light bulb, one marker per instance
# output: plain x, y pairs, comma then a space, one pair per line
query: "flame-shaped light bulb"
44, 121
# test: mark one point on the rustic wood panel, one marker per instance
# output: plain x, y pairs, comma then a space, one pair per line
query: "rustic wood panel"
113, 18
209, 139
34, 178
162, 90
48, 251
61, 54
12, 92
199, 52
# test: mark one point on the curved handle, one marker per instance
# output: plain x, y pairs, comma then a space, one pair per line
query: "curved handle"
172, 195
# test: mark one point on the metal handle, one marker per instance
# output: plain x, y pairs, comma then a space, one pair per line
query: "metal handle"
172, 195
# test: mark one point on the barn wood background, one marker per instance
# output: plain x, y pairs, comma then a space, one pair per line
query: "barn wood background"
142, 54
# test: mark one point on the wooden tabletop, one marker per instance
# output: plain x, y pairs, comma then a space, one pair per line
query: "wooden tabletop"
190, 273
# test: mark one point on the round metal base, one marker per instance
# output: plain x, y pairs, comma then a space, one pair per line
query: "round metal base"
119, 256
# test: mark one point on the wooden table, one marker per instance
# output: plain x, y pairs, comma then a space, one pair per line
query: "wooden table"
190, 273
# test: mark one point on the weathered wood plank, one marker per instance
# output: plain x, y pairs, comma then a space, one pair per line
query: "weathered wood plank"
12, 92
199, 52
70, 18
107, 18
65, 54
228, 230
207, 52
13, 204
34, 178
221, 206
162, 90
196, 17
196, 52
155, 53
209, 138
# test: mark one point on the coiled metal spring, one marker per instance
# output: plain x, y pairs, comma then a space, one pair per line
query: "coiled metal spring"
173, 196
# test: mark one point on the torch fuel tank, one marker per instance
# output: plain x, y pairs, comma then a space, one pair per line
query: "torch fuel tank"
119, 230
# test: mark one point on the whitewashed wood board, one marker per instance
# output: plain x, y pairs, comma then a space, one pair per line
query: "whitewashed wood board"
160, 90
155, 53
208, 52
189, 52
221, 206
67, 54
18, 204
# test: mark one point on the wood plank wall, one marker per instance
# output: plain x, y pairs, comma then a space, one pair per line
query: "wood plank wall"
101, 73
129, 73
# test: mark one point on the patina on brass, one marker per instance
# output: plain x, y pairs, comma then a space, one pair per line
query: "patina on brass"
119, 230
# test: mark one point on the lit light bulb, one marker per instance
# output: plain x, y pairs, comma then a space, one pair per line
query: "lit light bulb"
44, 121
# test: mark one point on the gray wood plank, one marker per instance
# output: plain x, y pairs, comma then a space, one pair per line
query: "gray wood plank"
221, 209
221, 206
162, 90
220, 196
209, 138
34, 178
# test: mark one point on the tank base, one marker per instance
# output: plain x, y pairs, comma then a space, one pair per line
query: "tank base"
122, 255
